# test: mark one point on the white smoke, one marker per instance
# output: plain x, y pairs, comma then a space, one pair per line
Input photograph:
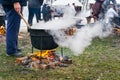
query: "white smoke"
81, 39
55, 24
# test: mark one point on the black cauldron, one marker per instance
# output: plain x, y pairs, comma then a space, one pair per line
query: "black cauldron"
41, 39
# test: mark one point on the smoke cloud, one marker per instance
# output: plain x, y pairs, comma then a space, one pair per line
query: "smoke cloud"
82, 37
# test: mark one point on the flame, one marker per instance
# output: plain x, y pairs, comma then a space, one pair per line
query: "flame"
45, 53
2, 30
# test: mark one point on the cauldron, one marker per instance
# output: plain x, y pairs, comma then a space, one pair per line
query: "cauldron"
41, 39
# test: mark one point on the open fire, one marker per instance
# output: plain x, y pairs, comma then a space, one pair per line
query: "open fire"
2, 30
45, 59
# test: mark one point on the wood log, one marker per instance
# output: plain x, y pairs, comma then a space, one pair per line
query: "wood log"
69, 61
44, 66
20, 60
34, 64
45, 61
54, 64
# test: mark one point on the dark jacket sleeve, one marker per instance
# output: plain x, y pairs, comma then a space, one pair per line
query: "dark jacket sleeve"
10, 2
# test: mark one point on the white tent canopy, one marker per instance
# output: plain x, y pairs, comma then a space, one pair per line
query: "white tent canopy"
66, 2
118, 1
91, 1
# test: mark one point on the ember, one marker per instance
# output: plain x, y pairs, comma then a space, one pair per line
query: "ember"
45, 59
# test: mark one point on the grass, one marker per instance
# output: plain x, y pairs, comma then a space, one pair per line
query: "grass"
99, 61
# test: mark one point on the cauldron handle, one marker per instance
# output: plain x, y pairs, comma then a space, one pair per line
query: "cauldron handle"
28, 26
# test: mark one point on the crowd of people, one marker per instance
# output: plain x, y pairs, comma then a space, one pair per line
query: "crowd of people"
102, 9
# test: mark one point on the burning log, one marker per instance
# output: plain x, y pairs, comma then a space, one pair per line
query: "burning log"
34, 64
45, 61
35, 59
20, 60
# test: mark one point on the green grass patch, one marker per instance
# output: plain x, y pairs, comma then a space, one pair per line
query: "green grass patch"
99, 61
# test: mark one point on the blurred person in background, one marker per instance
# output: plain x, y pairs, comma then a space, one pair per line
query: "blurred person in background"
46, 11
105, 5
12, 9
96, 10
34, 8
73, 8
111, 14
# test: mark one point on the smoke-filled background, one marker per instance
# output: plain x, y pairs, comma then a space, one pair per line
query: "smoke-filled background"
82, 37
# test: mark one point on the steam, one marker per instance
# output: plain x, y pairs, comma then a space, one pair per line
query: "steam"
55, 24
82, 37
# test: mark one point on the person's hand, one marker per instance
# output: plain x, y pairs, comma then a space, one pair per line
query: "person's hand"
17, 7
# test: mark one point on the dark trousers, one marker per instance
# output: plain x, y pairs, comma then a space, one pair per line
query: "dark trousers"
13, 25
33, 11
47, 17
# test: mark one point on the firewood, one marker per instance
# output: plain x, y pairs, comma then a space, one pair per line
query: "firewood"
33, 61
44, 66
45, 61
20, 60
54, 64
63, 65
69, 61
34, 64
34, 58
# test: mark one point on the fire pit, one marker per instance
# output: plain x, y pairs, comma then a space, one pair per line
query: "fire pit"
46, 57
